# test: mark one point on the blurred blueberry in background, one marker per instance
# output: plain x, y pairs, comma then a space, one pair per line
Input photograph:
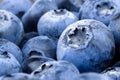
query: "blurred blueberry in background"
31, 17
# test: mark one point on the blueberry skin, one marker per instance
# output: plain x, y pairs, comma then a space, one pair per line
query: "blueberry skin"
16, 6
16, 76
31, 17
26, 37
75, 13
8, 46
101, 10
114, 26
8, 63
71, 5
11, 27
42, 44
77, 3
60, 3
94, 76
34, 61
112, 72
88, 44
54, 22
65, 4
56, 70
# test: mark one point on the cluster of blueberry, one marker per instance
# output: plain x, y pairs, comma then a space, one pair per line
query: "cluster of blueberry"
59, 39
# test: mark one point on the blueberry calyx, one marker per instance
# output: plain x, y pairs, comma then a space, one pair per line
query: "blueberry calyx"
105, 9
4, 18
35, 53
36, 72
79, 37
60, 11
46, 66
4, 54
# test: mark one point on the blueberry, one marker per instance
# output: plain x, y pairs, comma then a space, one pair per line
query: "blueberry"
54, 22
34, 61
8, 63
41, 44
94, 76
11, 27
115, 28
8, 46
16, 76
31, 17
101, 10
75, 13
60, 3
56, 70
77, 3
71, 5
15, 6
26, 37
65, 4
88, 44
